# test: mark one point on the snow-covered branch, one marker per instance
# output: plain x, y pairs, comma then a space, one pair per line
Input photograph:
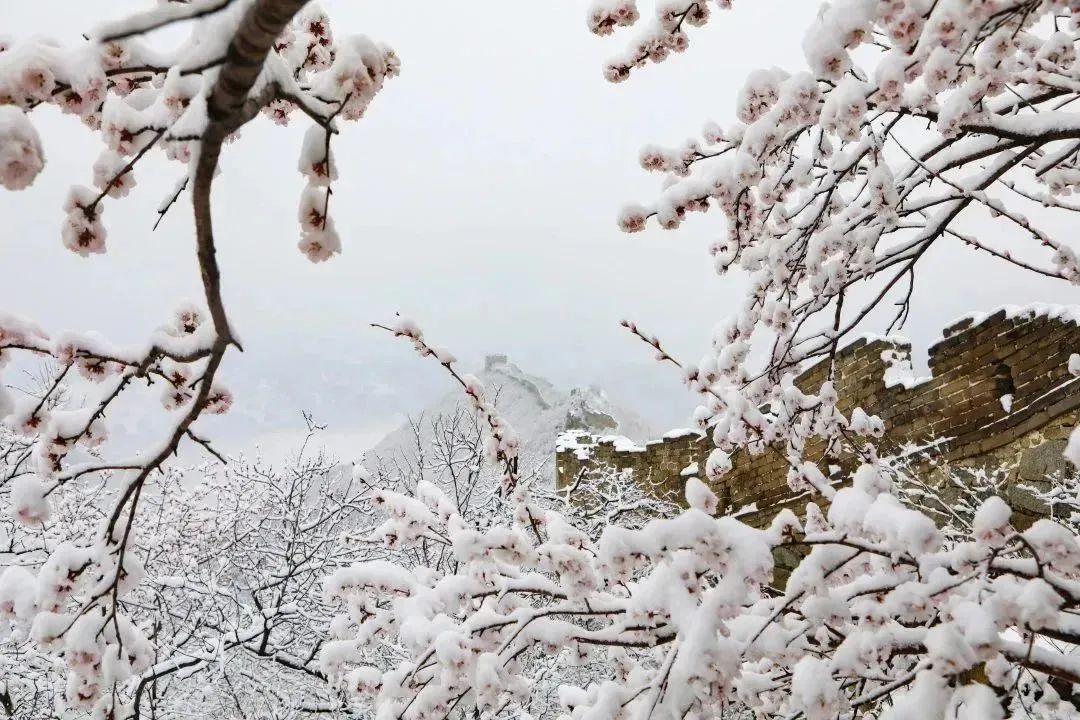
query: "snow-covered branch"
242, 58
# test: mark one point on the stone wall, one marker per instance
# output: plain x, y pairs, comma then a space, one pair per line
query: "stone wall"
1000, 395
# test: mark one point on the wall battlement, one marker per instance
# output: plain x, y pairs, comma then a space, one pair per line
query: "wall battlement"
1000, 394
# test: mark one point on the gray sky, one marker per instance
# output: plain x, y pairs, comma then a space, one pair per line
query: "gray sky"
478, 196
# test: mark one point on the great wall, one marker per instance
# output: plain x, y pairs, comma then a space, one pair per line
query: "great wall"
1000, 395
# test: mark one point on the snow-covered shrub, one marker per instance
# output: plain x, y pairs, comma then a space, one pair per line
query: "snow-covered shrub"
950, 494
231, 600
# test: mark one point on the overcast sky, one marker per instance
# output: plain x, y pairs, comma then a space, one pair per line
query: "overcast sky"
478, 196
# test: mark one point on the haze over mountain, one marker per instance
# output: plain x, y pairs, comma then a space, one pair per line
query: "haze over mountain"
537, 409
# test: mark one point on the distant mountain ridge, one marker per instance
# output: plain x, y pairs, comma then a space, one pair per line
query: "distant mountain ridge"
537, 409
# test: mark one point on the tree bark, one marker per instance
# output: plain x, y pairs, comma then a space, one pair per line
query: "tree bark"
244, 60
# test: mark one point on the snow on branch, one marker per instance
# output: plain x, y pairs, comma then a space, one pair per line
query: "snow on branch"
831, 181
682, 615
242, 58
913, 124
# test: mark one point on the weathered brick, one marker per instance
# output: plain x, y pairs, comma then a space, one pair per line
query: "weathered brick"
971, 367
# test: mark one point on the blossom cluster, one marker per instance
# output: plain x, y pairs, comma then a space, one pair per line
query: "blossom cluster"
72, 605
880, 615
661, 35
138, 99
912, 123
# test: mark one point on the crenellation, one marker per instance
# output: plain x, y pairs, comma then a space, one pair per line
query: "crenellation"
957, 412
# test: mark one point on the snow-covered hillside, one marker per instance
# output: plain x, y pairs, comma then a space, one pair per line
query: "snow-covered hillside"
537, 409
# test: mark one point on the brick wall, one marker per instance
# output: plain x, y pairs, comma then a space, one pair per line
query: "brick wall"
956, 415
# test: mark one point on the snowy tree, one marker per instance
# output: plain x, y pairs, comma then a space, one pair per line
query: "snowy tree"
914, 118
232, 601
950, 495
242, 58
885, 616
236, 555
447, 450
913, 123
1061, 495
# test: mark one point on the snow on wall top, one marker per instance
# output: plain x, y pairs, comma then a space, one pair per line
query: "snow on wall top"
1022, 354
1061, 313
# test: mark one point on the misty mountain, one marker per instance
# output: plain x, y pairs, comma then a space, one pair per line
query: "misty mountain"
537, 409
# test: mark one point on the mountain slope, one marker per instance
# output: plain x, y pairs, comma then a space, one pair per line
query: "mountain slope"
537, 409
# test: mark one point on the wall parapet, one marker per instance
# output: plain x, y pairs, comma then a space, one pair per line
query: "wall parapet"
999, 385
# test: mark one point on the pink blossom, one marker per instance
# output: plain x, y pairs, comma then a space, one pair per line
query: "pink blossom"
21, 156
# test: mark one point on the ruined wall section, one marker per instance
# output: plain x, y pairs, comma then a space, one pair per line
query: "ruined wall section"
1000, 394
